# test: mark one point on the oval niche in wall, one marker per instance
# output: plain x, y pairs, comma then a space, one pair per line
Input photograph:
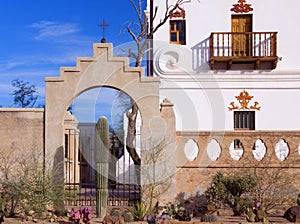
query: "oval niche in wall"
282, 150
191, 150
259, 150
213, 150
236, 149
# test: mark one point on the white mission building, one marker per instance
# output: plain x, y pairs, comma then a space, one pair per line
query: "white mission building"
228, 79
232, 71
211, 51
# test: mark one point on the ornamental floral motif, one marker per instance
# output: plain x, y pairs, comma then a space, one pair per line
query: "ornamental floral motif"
244, 100
241, 7
179, 13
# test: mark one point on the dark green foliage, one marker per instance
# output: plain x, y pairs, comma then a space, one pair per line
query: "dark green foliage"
128, 217
249, 214
176, 211
34, 189
260, 215
209, 218
230, 190
238, 185
25, 95
172, 208
183, 215
140, 211
126, 214
217, 191
255, 214
210, 209
116, 212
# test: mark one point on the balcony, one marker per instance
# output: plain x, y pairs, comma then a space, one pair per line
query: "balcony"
247, 50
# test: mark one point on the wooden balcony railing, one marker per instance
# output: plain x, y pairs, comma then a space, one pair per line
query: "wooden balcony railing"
257, 48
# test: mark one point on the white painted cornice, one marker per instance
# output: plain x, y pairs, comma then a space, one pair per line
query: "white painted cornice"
233, 80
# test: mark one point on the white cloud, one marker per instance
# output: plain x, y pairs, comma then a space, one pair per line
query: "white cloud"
6, 88
11, 64
30, 62
27, 73
50, 29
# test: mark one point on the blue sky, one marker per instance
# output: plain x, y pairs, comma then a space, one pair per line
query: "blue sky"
40, 36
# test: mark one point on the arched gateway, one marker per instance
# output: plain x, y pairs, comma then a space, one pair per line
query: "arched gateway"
103, 69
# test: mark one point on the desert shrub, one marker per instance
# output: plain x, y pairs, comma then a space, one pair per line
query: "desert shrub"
128, 217
276, 188
231, 190
175, 211
196, 204
125, 213
140, 211
116, 212
30, 186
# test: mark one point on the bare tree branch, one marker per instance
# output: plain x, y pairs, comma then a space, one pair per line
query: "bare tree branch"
142, 38
137, 11
142, 35
132, 34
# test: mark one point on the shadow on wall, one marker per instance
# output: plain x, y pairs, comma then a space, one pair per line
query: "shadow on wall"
58, 166
201, 56
196, 204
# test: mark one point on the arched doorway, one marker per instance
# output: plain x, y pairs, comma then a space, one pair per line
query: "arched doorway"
82, 142
102, 70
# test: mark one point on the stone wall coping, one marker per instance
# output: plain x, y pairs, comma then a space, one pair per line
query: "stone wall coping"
238, 132
40, 110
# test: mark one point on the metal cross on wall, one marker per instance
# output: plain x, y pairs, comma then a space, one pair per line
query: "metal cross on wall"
103, 26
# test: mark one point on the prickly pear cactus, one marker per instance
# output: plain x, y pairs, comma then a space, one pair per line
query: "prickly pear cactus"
101, 159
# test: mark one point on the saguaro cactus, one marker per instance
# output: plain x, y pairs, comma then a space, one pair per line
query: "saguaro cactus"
101, 160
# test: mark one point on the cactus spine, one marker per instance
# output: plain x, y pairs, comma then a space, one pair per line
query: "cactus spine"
101, 159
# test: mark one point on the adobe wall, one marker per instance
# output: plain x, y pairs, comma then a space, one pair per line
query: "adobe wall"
21, 129
195, 176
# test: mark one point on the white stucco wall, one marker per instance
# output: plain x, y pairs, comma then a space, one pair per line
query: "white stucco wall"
201, 96
206, 16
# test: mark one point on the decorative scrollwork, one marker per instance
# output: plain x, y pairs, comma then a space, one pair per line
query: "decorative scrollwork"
244, 99
241, 7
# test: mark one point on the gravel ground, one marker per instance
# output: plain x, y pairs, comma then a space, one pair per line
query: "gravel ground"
221, 219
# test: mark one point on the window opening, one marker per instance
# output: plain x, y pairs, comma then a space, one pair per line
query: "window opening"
244, 120
178, 31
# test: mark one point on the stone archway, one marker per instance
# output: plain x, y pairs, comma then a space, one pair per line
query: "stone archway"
103, 69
